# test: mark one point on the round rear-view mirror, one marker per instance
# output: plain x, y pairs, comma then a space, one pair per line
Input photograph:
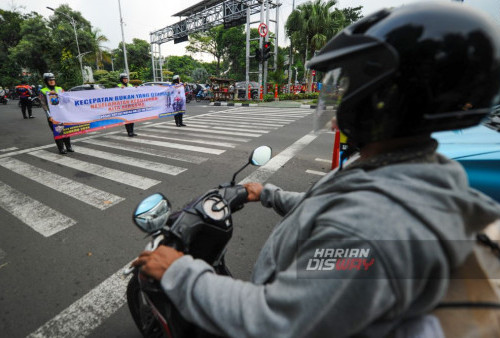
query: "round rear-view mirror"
261, 155
152, 213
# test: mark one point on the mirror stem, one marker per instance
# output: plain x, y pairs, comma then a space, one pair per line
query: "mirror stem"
236, 173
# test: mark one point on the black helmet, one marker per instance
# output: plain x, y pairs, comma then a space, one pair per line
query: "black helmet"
411, 71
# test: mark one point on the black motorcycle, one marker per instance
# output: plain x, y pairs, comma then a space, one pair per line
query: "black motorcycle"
201, 229
35, 102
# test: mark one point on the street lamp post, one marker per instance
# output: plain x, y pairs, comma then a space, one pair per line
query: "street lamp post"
123, 40
112, 65
73, 23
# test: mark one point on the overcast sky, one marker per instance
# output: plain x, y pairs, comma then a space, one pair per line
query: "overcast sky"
143, 17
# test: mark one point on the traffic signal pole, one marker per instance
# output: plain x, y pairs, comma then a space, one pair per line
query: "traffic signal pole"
266, 41
247, 58
260, 43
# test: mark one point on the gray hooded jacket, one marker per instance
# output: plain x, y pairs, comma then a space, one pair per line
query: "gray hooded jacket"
416, 215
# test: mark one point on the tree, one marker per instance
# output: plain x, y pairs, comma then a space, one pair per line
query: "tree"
210, 42
9, 37
97, 40
199, 75
312, 24
36, 49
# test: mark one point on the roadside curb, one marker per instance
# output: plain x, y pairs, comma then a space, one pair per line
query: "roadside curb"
218, 104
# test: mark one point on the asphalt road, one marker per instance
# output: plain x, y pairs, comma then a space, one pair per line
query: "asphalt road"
65, 221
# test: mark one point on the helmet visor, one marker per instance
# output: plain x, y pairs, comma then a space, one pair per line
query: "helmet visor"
334, 86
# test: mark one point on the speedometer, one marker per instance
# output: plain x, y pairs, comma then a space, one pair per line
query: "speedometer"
215, 208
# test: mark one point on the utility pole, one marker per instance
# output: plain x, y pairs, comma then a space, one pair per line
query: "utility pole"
123, 40
290, 57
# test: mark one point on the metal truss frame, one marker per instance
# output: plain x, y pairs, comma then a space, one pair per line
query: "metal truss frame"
225, 12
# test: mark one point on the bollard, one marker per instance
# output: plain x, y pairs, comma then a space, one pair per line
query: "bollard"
276, 92
261, 93
336, 150
249, 92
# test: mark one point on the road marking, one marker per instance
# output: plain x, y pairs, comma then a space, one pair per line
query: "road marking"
252, 118
83, 316
236, 125
263, 173
195, 140
219, 120
41, 218
8, 149
212, 131
177, 146
214, 137
82, 192
90, 311
201, 125
147, 151
314, 172
323, 160
231, 118
98, 170
132, 161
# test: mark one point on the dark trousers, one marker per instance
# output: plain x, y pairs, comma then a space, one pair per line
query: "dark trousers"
25, 103
60, 143
130, 128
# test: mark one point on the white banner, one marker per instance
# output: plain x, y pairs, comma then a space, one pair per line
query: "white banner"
89, 110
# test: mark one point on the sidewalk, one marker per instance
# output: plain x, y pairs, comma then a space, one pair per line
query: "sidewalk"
273, 104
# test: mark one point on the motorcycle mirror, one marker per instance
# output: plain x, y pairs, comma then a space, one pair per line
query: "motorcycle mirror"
152, 213
260, 155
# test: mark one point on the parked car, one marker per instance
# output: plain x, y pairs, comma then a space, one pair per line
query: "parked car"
158, 83
478, 150
88, 86
241, 87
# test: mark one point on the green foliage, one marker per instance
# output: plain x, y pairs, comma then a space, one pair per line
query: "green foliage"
107, 79
69, 75
135, 83
312, 24
199, 75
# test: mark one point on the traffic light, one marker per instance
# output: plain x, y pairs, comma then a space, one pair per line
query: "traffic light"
258, 54
266, 51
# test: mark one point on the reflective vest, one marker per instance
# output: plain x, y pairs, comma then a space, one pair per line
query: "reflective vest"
121, 85
24, 91
57, 89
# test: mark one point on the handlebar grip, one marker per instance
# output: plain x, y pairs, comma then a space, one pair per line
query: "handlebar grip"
240, 197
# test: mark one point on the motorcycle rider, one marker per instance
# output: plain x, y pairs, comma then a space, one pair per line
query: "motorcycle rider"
124, 83
50, 82
392, 79
25, 91
176, 79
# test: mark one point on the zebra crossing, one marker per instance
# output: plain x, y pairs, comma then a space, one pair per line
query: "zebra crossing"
163, 148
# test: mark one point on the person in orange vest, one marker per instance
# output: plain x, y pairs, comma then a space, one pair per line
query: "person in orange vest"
124, 83
25, 91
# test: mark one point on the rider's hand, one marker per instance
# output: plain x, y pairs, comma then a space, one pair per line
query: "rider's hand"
253, 189
155, 263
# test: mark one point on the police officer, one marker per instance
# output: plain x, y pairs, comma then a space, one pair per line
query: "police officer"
178, 117
25, 91
124, 83
391, 80
50, 82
